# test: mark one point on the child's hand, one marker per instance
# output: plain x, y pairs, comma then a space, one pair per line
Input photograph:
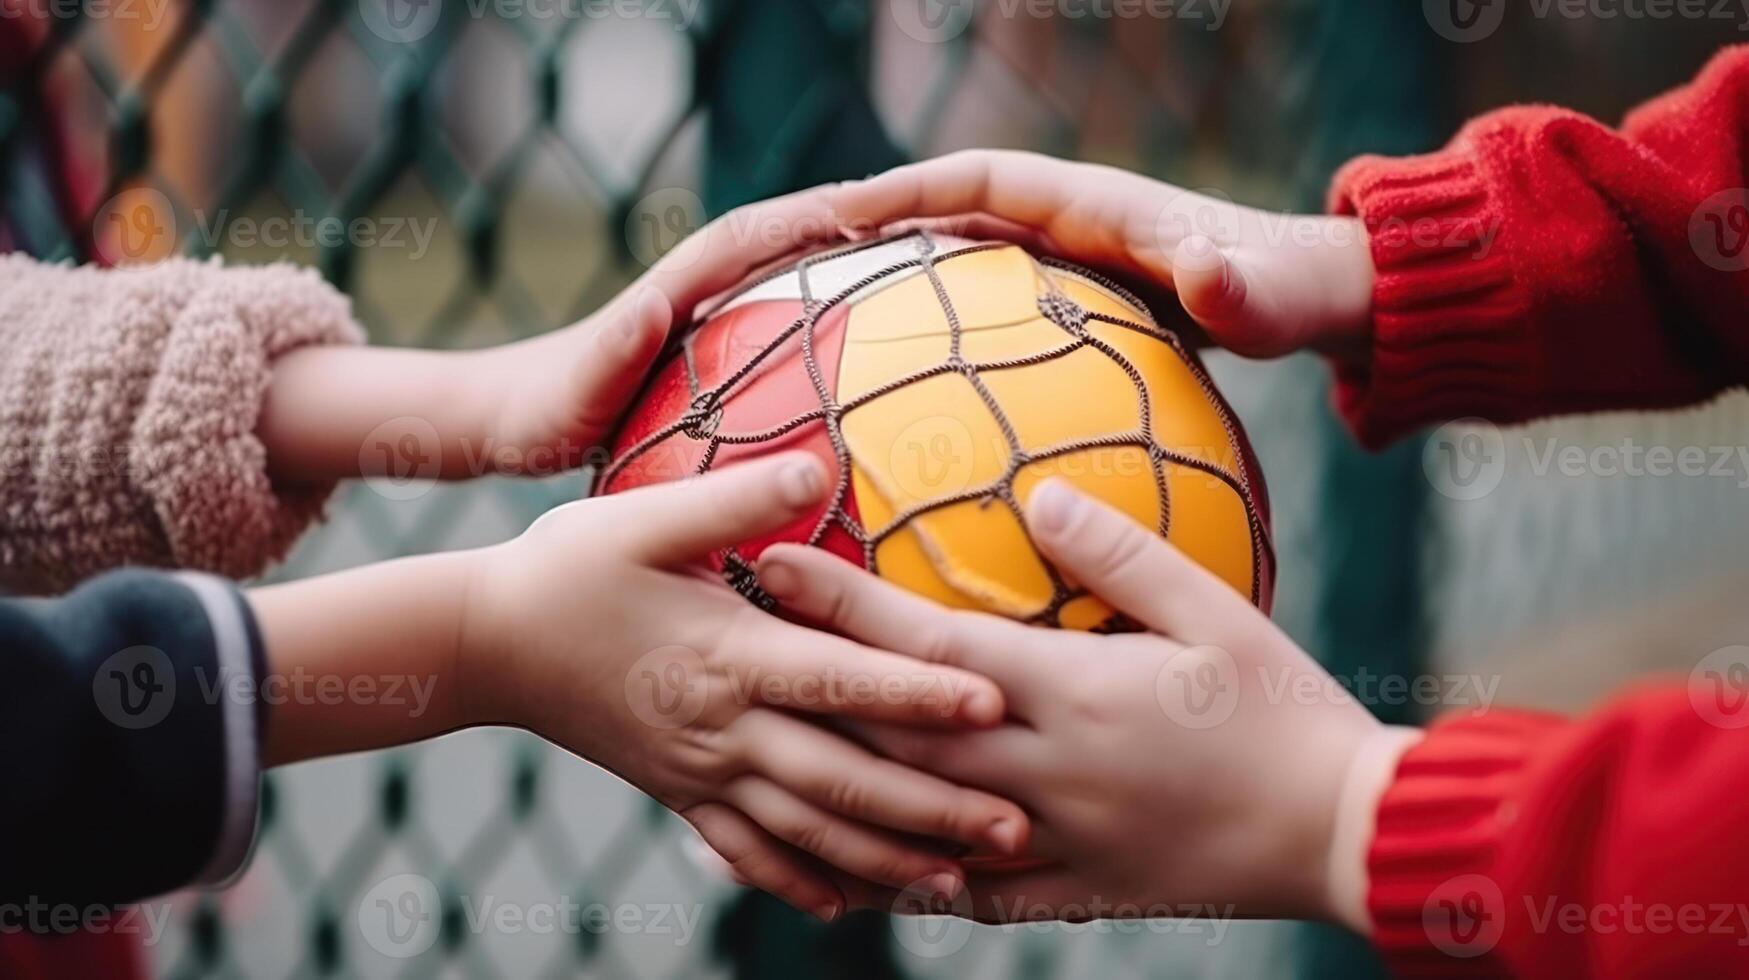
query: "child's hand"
535, 407
1260, 283
600, 629
1206, 765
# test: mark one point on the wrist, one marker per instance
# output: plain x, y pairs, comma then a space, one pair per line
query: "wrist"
1369, 772
366, 658
341, 412
483, 645
1347, 271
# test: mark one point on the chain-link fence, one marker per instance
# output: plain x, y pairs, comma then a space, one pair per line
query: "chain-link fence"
472, 171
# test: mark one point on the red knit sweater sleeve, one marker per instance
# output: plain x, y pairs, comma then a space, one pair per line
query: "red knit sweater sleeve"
1518, 844
1544, 263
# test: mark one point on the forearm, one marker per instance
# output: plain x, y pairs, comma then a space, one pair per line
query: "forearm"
1545, 263
333, 413
1522, 844
133, 396
364, 658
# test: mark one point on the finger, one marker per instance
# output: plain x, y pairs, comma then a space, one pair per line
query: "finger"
681, 522
762, 861
1026, 188
1223, 296
982, 227
851, 847
859, 894
1132, 568
1210, 286
803, 669
1010, 761
834, 773
834, 593
623, 345
724, 252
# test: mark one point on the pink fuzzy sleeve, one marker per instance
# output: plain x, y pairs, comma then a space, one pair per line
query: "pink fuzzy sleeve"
128, 406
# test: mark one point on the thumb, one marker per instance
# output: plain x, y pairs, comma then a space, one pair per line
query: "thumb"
1133, 568
682, 522
1217, 294
1274, 302
620, 349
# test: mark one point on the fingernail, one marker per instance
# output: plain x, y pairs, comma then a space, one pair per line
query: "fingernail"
1052, 506
827, 913
779, 581
801, 483
984, 708
944, 887
1005, 834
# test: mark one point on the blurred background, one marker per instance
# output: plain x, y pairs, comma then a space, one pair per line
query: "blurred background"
517, 161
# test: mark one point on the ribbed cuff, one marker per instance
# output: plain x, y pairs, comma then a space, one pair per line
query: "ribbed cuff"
1449, 332
203, 466
1435, 898
237, 653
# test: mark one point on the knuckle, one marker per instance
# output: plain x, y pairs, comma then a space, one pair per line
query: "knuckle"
954, 819
836, 603
813, 836
847, 795
1124, 552
707, 820
711, 755
1086, 696
939, 643
896, 868
755, 866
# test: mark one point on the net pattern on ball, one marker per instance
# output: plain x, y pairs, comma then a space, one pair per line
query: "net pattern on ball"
703, 419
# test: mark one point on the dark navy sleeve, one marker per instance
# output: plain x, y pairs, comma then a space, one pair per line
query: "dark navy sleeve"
129, 738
